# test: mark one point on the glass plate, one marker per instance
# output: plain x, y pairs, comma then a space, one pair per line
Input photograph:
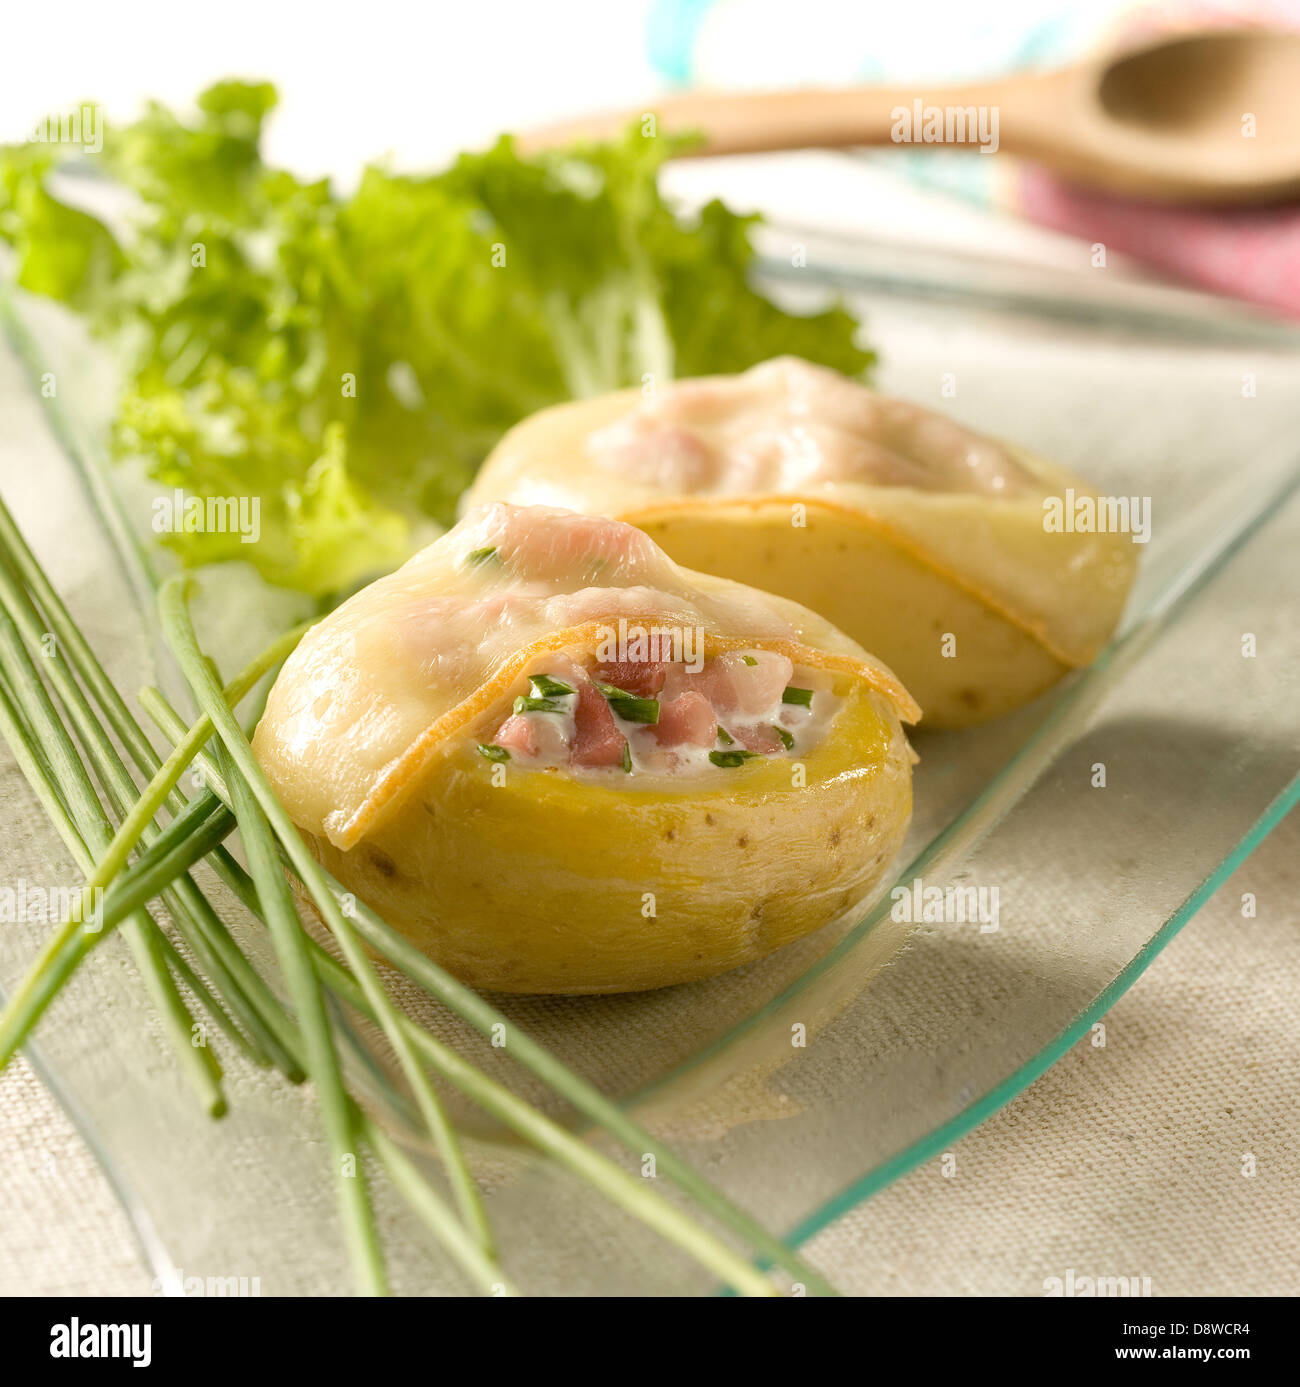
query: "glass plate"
805, 1082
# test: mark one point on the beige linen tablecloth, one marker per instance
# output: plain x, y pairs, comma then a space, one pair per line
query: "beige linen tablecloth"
1125, 1161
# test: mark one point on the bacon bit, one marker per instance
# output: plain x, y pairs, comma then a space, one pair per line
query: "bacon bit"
641, 677
597, 740
686, 720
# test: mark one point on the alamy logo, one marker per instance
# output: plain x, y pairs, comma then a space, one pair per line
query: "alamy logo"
1072, 1284
179, 513
920, 904
922, 124
84, 126
176, 1283
634, 644
23, 903
77, 1340
1072, 514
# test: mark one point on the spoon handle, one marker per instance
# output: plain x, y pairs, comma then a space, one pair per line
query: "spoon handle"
806, 118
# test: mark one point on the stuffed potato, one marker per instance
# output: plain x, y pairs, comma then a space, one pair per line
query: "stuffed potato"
924, 542
560, 763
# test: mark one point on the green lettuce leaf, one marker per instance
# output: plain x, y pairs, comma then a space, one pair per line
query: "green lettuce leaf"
350, 361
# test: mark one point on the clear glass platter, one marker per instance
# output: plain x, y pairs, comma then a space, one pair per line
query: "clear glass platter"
806, 1082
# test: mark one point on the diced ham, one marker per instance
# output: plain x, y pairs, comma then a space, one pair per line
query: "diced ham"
516, 735
729, 691
596, 740
760, 738
686, 720
641, 677
544, 735
746, 684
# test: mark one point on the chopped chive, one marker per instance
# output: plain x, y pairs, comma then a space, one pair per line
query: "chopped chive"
628, 706
749, 659
546, 687
724, 736
612, 690
480, 556
524, 704
636, 709
731, 758
491, 752
627, 757
801, 697
787, 740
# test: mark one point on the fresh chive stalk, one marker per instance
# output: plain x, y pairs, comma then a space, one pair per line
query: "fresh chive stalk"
491, 752
787, 738
72, 644
154, 870
461, 1246
287, 934
465, 1249
24, 1009
203, 994
187, 907
801, 698
423, 1200
179, 630
249, 998
198, 1062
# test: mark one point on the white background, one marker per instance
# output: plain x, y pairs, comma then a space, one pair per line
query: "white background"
356, 80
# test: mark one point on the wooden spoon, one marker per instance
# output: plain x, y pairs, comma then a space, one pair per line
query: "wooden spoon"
1208, 117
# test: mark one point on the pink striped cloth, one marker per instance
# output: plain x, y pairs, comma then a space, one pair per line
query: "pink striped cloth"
1252, 254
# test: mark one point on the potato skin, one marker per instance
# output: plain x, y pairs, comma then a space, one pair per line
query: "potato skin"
544, 884
890, 601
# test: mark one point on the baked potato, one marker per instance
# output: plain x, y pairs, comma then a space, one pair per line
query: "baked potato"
926, 543
560, 763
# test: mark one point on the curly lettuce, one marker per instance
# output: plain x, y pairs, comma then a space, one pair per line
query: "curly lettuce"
349, 361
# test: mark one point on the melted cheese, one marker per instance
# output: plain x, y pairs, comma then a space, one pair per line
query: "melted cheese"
787, 432
788, 426
424, 658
